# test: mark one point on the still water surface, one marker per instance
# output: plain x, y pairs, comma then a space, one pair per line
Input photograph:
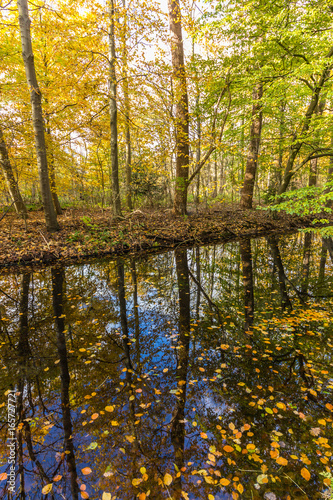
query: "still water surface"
203, 373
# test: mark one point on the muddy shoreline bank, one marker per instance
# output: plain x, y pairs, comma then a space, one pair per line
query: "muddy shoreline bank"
87, 234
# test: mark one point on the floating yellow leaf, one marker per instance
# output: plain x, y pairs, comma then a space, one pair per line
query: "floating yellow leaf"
281, 461
224, 346
240, 488
306, 474
224, 481
282, 406
84, 495
86, 471
136, 481
47, 489
94, 416
114, 423
130, 439
167, 479
106, 496
211, 497
109, 408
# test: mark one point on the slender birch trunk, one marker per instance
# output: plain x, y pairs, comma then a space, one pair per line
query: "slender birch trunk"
116, 205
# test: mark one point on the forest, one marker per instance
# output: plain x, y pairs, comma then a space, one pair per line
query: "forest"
166, 257
148, 104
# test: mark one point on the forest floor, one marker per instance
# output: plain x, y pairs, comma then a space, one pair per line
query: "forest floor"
92, 233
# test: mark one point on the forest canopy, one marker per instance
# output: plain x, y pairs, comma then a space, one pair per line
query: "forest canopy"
154, 102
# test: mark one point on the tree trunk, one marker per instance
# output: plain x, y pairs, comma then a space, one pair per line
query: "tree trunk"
181, 108
116, 205
198, 151
252, 157
37, 116
128, 160
10, 179
298, 143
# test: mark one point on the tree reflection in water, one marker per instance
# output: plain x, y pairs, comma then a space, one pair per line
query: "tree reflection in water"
203, 373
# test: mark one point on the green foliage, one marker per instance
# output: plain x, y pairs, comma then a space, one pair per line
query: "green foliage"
75, 237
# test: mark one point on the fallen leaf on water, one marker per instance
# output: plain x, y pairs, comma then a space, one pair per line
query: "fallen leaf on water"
86, 471
167, 479
306, 474
47, 489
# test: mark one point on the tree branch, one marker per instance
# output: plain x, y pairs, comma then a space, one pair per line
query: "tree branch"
198, 166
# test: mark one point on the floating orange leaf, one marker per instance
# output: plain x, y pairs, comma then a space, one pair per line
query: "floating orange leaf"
281, 461
306, 474
86, 471
224, 481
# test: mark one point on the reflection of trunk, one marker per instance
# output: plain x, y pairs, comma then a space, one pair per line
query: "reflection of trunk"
306, 263
23, 344
126, 346
136, 311
197, 266
123, 313
23, 352
322, 265
57, 294
246, 256
10, 179
183, 347
252, 157
285, 301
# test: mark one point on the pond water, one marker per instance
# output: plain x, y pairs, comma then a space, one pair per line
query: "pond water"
198, 374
